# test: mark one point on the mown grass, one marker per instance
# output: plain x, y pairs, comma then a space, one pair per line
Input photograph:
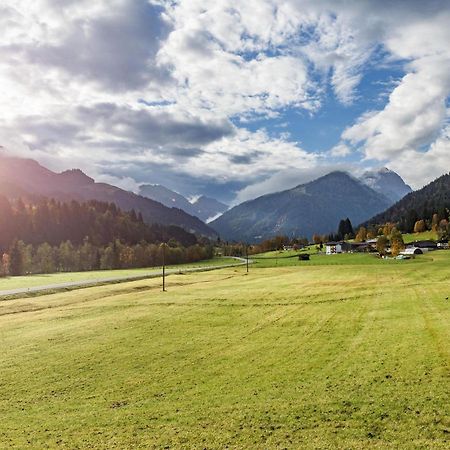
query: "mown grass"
347, 259
426, 235
56, 278
318, 356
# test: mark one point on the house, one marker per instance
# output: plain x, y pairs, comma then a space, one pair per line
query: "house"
358, 247
332, 248
424, 245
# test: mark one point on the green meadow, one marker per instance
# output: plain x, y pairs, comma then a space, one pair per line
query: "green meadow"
66, 277
340, 352
425, 235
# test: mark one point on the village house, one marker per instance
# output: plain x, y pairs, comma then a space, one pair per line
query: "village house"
333, 248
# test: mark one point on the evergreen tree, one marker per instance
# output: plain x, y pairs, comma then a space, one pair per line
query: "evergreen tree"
15, 259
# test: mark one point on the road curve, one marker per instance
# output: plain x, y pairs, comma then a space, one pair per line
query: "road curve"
98, 281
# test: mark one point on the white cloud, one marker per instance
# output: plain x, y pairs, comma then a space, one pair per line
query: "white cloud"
414, 115
340, 150
419, 168
135, 82
416, 111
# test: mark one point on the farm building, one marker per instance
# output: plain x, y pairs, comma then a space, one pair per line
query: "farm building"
332, 248
429, 245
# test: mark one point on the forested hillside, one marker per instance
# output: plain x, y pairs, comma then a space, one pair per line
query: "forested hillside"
431, 203
50, 236
26, 178
314, 207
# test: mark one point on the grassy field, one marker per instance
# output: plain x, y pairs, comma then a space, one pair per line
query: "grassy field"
351, 354
55, 278
348, 259
426, 235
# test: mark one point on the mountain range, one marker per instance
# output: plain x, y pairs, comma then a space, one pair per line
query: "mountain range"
205, 208
387, 183
420, 204
314, 207
27, 178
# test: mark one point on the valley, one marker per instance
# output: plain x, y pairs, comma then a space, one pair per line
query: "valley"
329, 355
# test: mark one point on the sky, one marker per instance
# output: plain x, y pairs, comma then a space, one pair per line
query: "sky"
227, 98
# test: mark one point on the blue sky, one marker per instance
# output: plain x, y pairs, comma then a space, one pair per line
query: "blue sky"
231, 99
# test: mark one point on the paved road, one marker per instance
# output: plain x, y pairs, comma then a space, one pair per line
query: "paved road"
93, 282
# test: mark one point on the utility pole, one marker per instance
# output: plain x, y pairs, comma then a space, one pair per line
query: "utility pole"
163, 245
246, 254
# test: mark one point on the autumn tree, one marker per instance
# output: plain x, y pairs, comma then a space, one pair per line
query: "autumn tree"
419, 226
4, 265
361, 236
397, 244
435, 222
382, 243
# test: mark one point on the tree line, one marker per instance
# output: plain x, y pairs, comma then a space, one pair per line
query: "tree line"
52, 236
268, 245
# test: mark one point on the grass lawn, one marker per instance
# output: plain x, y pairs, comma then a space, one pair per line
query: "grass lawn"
350, 355
348, 259
426, 235
55, 278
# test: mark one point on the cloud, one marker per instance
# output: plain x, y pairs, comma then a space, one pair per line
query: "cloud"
427, 165
340, 150
169, 90
414, 115
113, 46
416, 111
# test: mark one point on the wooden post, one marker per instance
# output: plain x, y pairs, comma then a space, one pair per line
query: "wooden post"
163, 245
246, 254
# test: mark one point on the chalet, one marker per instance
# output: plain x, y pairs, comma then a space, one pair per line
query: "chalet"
424, 245
358, 247
332, 248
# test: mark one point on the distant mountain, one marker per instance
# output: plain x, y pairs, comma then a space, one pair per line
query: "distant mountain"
315, 207
204, 207
167, 197
386, 182
208, 208
421, 204
27, 178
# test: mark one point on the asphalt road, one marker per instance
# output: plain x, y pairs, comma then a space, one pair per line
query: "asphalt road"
93, 282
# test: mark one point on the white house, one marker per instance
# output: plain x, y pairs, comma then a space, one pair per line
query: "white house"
333, 248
